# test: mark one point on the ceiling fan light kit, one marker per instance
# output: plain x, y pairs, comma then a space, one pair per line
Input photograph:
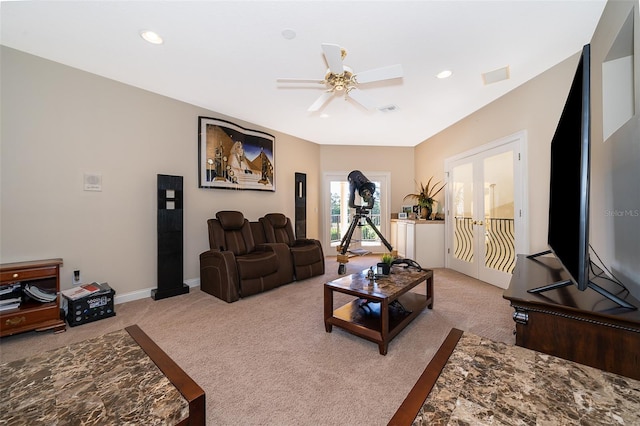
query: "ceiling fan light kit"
340, 82
340, 79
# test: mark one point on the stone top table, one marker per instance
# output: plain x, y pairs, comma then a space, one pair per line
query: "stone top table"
473, 380
383, 306
120, 377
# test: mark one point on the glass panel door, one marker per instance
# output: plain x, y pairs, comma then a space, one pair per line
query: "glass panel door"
340, 216
498, 243
481, 204
499, 213
461, 187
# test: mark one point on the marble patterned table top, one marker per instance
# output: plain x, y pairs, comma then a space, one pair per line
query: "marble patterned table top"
104, 380
382, 286
486, 382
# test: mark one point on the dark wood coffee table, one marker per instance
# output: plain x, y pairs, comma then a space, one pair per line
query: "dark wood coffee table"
374, 314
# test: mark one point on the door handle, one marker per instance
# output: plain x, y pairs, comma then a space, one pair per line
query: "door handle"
478, 222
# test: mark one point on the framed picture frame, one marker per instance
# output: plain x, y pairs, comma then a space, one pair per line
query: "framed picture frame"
407, 209
402, 215
232, 157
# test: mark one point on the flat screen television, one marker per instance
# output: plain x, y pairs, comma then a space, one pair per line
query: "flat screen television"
568, 235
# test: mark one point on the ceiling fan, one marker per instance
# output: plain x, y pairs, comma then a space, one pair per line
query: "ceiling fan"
340, 79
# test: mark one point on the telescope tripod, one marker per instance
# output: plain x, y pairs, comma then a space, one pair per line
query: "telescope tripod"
343, 258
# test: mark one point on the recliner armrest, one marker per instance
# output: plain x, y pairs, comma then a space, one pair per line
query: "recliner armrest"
285, 263
305, 241
219, 275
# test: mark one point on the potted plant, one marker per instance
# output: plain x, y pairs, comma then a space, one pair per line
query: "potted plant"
425, 197
384, 267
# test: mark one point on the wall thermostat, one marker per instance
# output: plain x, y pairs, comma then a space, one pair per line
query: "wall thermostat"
92, 182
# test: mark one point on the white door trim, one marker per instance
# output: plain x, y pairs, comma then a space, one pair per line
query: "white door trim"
521, 197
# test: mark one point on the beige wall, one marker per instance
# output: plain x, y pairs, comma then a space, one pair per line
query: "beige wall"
397, 160
535, 107
614, 231
59, 123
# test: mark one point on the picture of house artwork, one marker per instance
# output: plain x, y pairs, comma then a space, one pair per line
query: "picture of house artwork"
232, 157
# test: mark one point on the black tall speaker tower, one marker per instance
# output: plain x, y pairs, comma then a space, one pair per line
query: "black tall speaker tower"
301, 205
170, 245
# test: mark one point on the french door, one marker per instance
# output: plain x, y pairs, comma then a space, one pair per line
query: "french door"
338, 216
484, 210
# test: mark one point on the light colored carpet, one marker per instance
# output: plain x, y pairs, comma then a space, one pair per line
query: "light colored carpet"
267, 359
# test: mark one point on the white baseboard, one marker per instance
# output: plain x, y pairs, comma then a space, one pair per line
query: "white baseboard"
141, 294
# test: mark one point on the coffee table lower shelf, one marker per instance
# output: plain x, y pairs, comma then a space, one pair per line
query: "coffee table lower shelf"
368, 324
367, 320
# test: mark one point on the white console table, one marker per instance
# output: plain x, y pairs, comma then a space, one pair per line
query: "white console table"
420, 240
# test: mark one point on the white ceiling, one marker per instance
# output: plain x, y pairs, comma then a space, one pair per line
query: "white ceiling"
225, 56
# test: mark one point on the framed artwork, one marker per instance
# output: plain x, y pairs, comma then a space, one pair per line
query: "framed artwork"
407, 209
232, 157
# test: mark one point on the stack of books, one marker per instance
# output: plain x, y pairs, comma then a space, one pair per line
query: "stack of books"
80, 291
10, 296
39, 294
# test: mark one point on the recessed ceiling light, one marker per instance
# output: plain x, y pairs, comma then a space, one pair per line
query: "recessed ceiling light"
151, 37
324, 115
444, 74
288, 33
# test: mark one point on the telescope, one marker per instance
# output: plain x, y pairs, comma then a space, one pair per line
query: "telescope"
359, 183
366, 189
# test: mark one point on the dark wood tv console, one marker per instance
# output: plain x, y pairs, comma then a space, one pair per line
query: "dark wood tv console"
580, 326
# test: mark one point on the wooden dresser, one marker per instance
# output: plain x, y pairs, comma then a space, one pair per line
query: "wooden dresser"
580, 326
32, 315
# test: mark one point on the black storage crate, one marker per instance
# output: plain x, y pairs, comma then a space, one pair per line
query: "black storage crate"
91, 308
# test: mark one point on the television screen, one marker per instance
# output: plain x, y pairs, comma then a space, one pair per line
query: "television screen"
568, 235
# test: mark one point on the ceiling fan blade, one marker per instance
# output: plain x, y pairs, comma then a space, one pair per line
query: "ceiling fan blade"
384, 73
320, 101
333, 54
299, 80
360, 97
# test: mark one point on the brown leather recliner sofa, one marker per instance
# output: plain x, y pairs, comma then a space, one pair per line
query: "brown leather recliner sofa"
236, 266
306, 253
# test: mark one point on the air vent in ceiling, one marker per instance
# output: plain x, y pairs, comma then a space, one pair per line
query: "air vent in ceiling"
388, 108
496, 75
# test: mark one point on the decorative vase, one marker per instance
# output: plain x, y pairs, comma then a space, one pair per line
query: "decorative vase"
426, 212
383, 268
